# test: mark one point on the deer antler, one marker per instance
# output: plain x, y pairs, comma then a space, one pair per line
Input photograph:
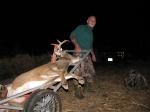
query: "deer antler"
61, 43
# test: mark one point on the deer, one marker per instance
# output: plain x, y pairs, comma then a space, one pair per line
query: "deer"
51, 72
64, 58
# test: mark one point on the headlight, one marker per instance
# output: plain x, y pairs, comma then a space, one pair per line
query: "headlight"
110, 59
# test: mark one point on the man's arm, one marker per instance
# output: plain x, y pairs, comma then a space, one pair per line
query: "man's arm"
76, 45
93, 55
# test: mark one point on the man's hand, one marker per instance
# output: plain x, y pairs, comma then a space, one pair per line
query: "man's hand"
77, 49
93, 57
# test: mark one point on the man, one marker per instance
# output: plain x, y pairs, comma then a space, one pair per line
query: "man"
82, 38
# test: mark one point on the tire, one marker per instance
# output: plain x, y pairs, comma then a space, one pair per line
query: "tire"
43, 101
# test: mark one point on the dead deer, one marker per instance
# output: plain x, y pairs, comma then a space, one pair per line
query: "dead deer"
55, 71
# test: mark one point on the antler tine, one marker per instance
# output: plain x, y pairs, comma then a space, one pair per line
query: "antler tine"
54, 44
63, 42
58, 41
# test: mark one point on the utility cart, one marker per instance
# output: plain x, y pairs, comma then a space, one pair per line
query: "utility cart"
42, 98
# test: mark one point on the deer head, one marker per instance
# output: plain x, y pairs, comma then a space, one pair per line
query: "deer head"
57, 50
57, 47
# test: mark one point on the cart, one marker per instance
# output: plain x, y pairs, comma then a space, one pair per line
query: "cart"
42, 98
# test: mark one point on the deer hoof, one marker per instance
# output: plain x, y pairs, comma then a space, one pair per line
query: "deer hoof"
81, 81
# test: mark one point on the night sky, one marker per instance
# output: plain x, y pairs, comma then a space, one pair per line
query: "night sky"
32, 27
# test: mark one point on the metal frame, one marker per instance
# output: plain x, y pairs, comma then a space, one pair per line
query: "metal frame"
55, 88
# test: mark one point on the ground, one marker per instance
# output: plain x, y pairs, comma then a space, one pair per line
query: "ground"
110, 94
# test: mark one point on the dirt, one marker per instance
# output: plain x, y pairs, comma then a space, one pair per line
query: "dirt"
110, 94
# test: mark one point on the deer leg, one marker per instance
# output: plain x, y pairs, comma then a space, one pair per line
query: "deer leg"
79, 78
78, 90
64, 81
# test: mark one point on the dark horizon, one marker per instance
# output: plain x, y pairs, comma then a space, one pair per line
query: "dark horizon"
118, 27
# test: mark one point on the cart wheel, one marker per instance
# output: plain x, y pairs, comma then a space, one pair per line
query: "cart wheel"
43, 101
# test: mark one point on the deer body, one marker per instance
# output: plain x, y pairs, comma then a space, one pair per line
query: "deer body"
38, 76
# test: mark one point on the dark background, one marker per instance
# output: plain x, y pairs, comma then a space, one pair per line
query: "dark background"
31, 27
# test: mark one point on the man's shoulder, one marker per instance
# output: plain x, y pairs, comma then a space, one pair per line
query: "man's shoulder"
80, 27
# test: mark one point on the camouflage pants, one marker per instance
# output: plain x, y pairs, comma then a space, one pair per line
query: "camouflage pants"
87, 69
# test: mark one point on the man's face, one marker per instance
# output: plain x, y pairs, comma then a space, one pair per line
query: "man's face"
91, 21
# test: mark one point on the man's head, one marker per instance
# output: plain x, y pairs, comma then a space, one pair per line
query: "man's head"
91, 21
